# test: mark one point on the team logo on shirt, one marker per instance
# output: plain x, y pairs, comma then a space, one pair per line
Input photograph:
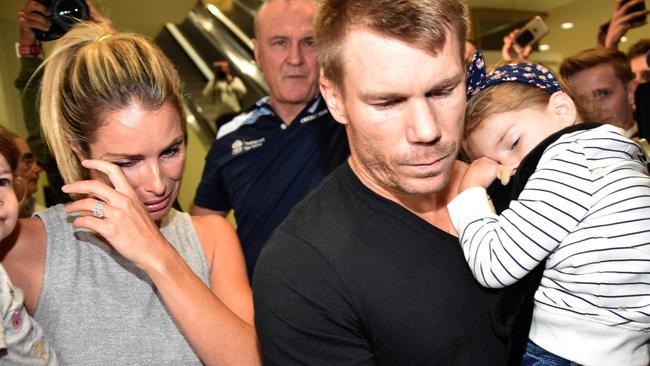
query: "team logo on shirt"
313, 116
240, 146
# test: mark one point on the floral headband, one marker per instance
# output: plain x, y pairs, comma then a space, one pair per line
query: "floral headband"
533, 74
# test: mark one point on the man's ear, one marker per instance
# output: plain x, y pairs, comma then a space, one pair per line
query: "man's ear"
333, 99
562, 106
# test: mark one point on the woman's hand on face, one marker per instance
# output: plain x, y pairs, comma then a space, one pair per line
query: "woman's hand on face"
124, 221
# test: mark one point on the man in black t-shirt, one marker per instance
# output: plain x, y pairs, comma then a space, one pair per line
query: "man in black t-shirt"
365, 271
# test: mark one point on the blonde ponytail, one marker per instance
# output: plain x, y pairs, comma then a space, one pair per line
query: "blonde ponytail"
93, 71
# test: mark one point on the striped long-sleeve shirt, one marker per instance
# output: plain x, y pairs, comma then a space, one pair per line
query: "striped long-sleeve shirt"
586, 209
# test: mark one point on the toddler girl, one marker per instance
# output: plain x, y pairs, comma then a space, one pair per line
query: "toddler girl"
21, 338
585, 210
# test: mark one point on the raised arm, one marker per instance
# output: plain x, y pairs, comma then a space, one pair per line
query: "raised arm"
622, 21
238, 87
511, 51
218, 322
218, 333
32, 16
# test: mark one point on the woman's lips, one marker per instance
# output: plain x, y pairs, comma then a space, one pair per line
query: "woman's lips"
157, 205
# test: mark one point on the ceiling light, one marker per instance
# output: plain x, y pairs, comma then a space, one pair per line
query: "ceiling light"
567, 25
623, 39
544, 47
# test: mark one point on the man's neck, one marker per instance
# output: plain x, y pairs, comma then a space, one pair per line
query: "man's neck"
631, 129
287, 111
431, 208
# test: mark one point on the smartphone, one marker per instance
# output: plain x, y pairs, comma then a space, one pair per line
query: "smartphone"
638, 7
532, 32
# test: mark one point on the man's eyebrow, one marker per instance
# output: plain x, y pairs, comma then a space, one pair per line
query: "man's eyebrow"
443, 84
5, 171
374, 96
449, 82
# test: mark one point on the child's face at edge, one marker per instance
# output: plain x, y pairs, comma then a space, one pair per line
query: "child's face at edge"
508, 137
8, 200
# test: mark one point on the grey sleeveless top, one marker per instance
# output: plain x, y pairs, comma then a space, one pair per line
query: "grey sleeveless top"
99, 309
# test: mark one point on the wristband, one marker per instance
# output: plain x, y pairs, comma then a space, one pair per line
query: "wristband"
30, 50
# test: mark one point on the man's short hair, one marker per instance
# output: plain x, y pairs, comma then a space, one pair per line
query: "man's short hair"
256, 18
595, 56
640, 48
421, 23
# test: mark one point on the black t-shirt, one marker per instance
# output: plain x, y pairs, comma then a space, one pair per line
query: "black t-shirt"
351, 278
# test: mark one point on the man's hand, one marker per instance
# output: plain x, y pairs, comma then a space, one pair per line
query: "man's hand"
33, 15
511, 51
621, 22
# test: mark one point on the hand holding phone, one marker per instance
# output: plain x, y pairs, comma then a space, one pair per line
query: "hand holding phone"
511, 51
532, 32
627, 14
636, 10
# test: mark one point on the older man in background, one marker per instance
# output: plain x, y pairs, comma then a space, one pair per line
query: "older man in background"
270, 156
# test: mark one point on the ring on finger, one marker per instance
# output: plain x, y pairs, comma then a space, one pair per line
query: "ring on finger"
98, 210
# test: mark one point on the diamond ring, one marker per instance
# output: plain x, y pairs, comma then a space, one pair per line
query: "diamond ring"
98, 210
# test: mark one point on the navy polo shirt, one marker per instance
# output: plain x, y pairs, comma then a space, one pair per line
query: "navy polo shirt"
261, 168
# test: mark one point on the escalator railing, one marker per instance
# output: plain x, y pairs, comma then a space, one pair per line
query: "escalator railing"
208, 34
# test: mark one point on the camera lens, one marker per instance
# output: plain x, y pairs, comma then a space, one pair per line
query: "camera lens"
67, 12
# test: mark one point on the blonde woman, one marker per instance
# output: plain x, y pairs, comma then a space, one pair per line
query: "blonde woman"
119, 276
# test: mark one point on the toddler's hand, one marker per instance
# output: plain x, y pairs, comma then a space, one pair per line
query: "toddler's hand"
481, 173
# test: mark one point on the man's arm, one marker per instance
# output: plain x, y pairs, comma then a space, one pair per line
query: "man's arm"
622, 19
32, 16
207, 89
303, 311
510, 51
238, 87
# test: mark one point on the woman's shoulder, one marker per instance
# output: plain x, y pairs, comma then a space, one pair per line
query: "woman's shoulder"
215, 234
209, 223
